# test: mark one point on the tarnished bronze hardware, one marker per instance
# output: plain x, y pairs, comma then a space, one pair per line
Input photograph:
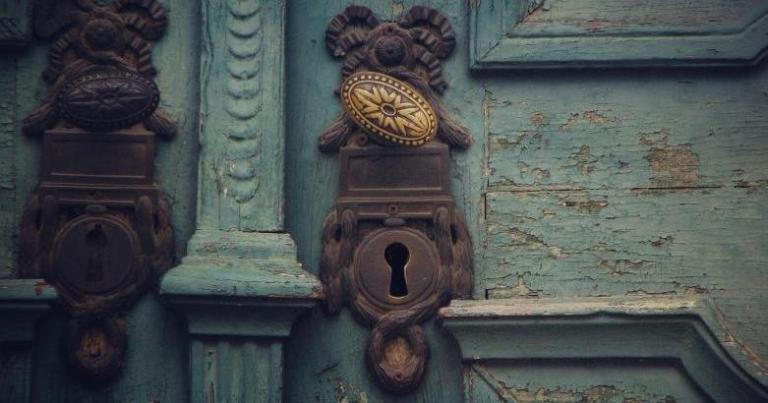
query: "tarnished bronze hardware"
97, 227
394, 249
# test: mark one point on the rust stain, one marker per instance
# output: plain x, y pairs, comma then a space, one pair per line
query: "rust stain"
674, 166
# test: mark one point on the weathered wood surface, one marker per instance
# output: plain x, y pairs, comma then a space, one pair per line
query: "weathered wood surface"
236, 371
651, 348
22, 303
608, 33
632, 185
8, 139
584, 183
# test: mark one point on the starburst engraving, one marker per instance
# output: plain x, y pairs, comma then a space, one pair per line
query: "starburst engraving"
389, 108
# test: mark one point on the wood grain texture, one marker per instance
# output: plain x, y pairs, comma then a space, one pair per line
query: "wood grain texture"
236, 370
508, 34
8, 216
632, 185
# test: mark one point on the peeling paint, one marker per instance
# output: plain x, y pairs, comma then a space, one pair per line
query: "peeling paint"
594, 394
583, 160
582, 203
538, 119
620, 267
673, 167
593, 117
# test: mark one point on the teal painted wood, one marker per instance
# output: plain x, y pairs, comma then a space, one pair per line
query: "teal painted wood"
15, 27
236, 371
325, 362
617, 183
8, 216
509, 34
155, 369
22, 303
240, 285
576, 382
591, 336
241, 163
241, 265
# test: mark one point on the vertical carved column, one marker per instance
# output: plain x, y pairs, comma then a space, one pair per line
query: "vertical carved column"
240, 284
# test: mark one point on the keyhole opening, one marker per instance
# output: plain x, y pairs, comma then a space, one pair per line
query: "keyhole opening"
397, 256
96, 241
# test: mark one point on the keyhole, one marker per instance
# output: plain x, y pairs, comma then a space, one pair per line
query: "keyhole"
96, 241
397, 256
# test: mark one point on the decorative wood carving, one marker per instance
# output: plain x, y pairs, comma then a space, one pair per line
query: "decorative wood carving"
97, 227
394, 249
237, 170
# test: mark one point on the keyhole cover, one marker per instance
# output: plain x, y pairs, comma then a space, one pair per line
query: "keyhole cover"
397, 256
396, 268
94, 254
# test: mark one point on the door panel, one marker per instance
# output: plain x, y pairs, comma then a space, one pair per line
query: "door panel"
620, 183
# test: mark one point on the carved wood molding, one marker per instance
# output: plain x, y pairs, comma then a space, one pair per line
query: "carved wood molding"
670, 331
238, 168
532, 34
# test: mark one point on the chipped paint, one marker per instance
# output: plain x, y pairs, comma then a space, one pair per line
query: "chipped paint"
538, 119
593, 117
618, 267
675, 166
583, 160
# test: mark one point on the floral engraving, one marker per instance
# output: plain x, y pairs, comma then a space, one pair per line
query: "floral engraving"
388, 108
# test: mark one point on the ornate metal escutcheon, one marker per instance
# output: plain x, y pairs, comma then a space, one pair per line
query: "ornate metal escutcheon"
97, 226
394, 248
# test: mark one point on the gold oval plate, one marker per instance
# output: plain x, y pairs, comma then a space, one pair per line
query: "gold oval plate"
388, 108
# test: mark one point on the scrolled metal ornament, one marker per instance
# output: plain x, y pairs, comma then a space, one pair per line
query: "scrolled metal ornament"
395, 248
98, 227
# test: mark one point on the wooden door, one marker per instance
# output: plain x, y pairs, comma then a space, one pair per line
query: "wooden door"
615, 195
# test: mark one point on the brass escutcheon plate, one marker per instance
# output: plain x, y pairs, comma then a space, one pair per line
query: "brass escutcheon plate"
389, 109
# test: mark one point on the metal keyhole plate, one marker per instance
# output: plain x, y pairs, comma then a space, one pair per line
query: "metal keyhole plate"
94, 254
396, 268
